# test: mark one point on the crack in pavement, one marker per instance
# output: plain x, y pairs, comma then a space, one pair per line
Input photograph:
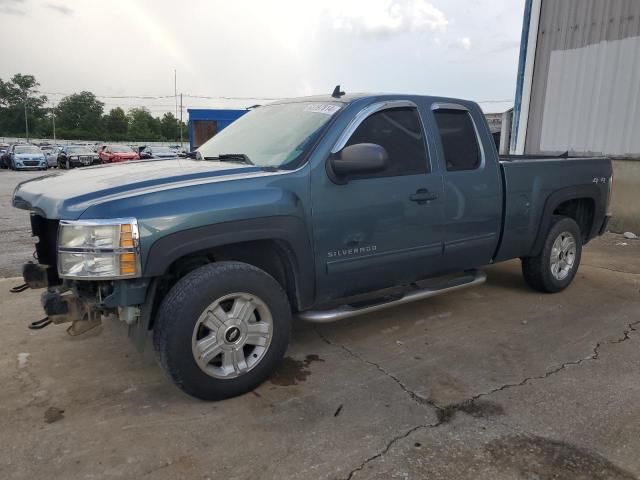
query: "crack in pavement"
388, 447
626, 333
594, 356
413, 395
611, 269
446, 413
440, 411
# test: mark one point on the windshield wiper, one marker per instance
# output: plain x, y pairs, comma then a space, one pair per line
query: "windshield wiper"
231, 157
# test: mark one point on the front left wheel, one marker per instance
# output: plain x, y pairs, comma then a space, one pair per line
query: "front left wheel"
222, 330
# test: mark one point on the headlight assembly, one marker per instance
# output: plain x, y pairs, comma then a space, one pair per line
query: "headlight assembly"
99, 249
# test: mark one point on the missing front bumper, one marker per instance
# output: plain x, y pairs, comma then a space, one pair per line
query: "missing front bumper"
65, 306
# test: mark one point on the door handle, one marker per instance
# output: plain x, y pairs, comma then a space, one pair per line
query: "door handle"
423, 196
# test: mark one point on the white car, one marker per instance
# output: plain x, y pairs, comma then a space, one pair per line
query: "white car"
51, 154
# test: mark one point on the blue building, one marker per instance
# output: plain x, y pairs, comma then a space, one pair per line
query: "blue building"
204, 123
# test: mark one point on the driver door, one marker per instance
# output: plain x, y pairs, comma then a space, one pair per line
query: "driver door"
381, 229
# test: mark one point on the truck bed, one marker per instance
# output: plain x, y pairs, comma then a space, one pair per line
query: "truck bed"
535, 183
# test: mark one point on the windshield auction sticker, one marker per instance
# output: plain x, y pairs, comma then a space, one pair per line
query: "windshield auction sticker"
326, 108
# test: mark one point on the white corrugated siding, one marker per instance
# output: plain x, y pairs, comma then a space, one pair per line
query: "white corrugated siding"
585, 96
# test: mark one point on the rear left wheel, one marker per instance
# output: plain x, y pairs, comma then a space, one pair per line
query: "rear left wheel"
222, 330
557, 264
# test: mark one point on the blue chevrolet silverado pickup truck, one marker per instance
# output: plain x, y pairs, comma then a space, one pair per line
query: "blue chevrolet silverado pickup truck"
316, 208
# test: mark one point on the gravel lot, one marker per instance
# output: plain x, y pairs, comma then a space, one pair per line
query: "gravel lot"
15, 231
496, 382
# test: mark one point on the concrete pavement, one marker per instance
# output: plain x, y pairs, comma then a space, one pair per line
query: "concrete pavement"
495, 382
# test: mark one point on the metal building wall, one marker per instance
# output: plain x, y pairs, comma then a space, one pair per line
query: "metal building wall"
585, 89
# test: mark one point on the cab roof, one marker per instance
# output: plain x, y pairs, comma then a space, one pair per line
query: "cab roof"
349, 98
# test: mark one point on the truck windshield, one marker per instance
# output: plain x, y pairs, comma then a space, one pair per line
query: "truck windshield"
273, 135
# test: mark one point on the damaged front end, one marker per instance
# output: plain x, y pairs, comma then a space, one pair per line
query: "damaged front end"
90, 269
66, 304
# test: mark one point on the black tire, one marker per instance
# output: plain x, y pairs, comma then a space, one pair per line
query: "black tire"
180, 310
538, 271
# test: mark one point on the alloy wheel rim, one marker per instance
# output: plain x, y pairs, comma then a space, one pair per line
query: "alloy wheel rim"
563, 255
232, 335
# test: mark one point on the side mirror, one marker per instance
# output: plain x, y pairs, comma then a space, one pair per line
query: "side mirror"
358, 159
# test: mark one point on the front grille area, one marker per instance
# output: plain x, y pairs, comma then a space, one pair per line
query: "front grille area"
86, 159
30, 163
47, 232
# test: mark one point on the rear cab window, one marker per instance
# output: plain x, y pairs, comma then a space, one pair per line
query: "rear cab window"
459, 139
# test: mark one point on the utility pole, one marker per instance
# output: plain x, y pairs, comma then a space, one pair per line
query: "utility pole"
180, 121
175, 89
53, 119
26, 122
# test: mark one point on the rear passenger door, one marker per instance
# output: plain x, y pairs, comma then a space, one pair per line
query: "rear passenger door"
472, 186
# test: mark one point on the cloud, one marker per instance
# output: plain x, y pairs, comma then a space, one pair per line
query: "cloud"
59, 8
388, 17
463, 43
285, 48
10, 7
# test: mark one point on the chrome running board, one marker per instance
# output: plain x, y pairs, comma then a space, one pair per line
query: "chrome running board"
474, 277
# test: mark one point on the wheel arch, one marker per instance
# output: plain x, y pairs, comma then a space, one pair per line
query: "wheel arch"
582, 203
278, 245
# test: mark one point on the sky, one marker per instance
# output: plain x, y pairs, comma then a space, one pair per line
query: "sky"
261, 49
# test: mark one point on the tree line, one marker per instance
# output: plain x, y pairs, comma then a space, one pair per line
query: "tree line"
80, 116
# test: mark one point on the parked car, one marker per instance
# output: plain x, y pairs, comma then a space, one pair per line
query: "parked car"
50, 153
117, 153
25, 157
4, 156
317, 208
157, 152
56, 152
72, 156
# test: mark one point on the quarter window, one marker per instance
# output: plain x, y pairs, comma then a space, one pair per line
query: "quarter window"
399, 131
459, 140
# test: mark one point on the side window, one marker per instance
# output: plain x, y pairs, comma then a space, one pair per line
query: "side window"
459, 140
399, 131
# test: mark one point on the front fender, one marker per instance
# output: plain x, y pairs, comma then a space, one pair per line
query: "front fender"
289, 230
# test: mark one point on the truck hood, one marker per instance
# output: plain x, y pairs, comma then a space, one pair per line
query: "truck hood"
65, 195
